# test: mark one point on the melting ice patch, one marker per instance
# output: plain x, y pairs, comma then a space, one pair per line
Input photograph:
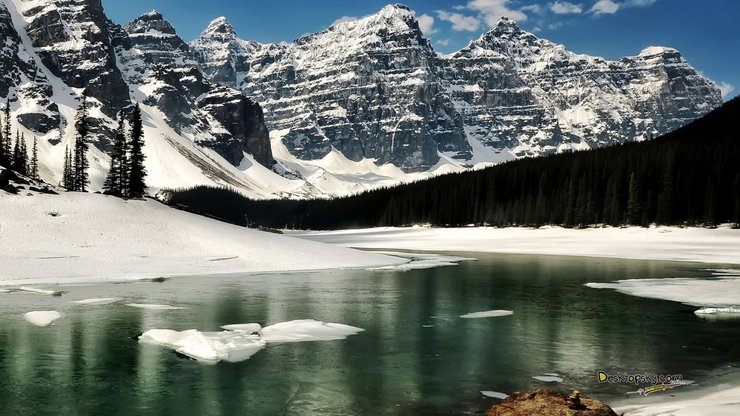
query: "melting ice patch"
42, 318
721, 289
240, 341
494, 394
487, 314
40, 291
549, 378
718, 312
154, 306
96, 301
420, 261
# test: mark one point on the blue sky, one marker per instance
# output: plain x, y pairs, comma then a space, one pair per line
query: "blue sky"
707, 32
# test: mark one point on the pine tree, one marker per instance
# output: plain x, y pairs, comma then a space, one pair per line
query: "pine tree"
116, 181
736, 192
68, 179
4, 159
80, 164
136, 170
16, 158
34, 167
7, 149
634, 209
23, 156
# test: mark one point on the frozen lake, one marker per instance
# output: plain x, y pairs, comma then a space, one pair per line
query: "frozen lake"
530, 322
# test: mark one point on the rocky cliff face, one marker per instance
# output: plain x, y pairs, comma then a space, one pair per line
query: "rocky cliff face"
21, 77
145, 60
375, 88
366, 88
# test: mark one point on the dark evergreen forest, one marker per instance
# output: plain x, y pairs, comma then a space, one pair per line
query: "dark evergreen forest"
690, 176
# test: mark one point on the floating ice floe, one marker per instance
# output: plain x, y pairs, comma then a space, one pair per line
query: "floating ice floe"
419, 261
42, 318
96, 301
154, 306
4, 291
40, 291
240, 341
729, 312
494, 394
549, 378
487, 314
718, 290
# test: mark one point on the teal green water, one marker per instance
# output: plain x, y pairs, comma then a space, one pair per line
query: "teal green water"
416, 356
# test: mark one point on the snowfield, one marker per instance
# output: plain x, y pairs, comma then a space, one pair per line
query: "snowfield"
720, 245
79, 238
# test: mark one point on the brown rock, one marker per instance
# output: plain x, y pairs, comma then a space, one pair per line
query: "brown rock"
550, 403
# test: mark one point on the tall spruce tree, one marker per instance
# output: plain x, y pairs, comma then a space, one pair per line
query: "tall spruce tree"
116, 181
4, 159
68, 177
736, 193
80, 164
16, 159
7, 132
33, 169
136, 170
23, 157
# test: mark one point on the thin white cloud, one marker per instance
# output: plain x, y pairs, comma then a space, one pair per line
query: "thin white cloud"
726, 89
564, 7
493, 10
460, 23
443, 42
639, 3
604, 7
344, 19
426, 24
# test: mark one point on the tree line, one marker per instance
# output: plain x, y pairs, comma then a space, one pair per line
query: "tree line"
126, 177
688, 177
15, 156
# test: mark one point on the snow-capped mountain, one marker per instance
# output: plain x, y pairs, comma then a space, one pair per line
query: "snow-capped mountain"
375, 88
362, 104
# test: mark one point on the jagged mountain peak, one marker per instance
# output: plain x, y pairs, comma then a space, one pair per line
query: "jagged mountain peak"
219, 26
658, 50
152, 21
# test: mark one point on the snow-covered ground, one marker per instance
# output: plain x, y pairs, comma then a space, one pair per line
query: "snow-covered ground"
720, 245
75, 237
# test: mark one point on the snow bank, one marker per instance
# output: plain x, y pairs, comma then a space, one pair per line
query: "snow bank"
240, 341
42, 318
720, 245
487, 314
81, 238
718, 312
719, 403
721, 289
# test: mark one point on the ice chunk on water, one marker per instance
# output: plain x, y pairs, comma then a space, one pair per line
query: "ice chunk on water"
307, 330
206, 346
40, 291
249, 328
549, 378
420, 261
42, 318
494, 394
730, 312
4, 291
240, 341
154, 306
487, 314
96, 301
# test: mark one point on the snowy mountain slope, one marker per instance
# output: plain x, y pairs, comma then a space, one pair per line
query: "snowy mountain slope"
359, 105
375, 88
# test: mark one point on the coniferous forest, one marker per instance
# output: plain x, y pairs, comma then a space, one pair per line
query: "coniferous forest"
690, 176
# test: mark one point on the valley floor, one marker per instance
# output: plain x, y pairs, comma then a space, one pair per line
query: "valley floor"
718, 246
79, 238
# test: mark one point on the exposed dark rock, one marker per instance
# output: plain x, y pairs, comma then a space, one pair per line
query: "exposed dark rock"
550, 403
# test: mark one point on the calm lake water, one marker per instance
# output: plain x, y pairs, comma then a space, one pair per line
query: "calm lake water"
416, 356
